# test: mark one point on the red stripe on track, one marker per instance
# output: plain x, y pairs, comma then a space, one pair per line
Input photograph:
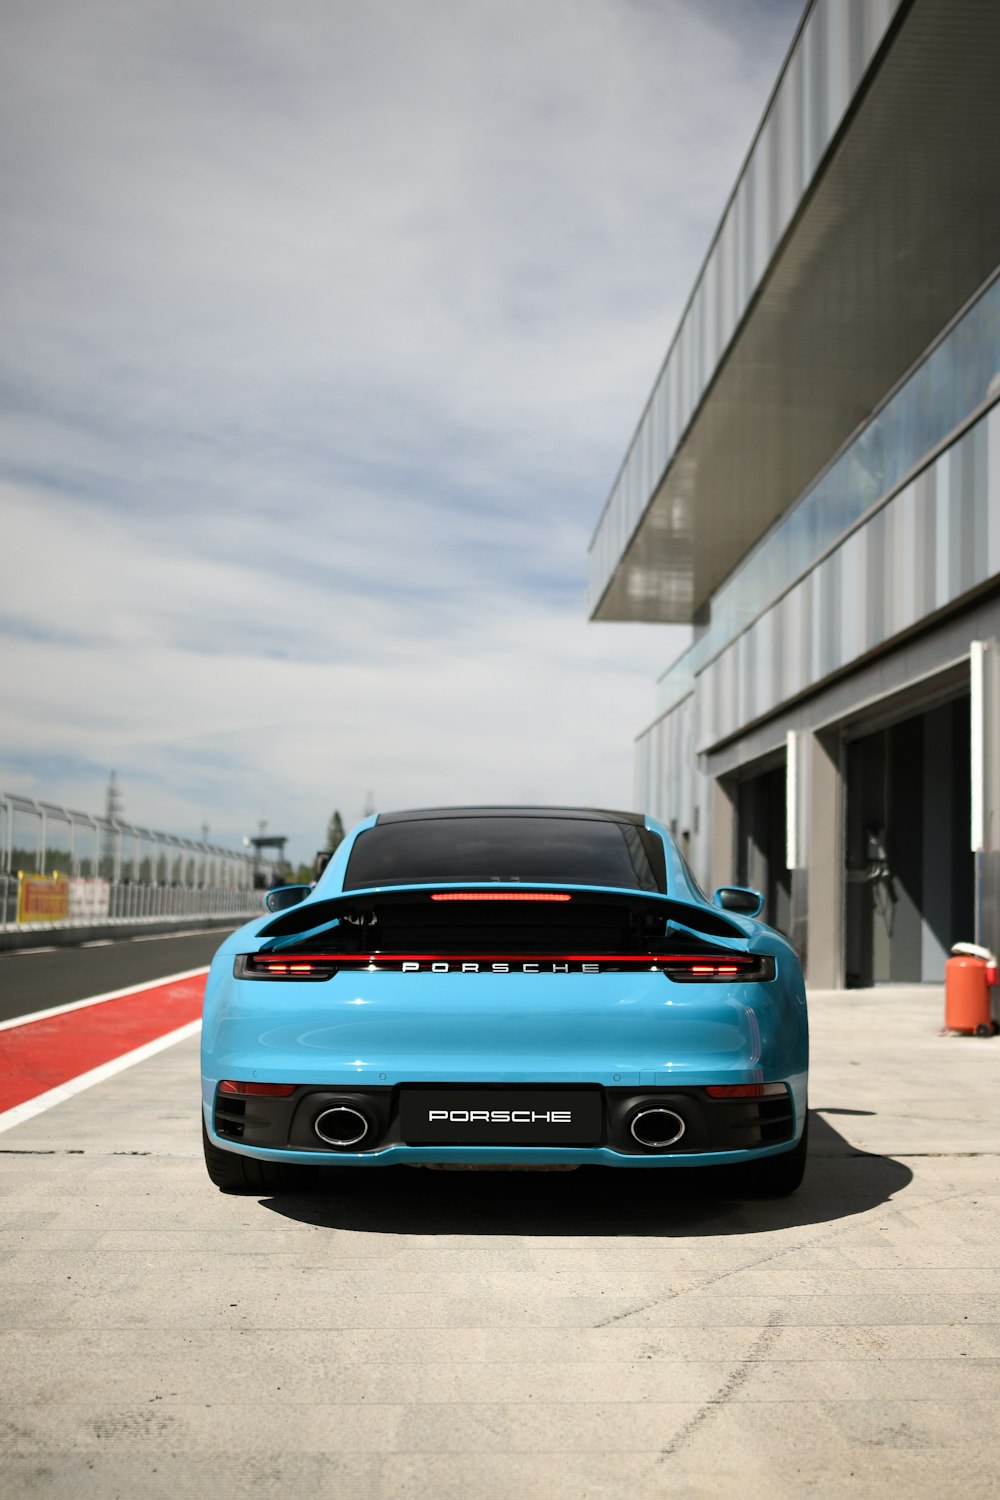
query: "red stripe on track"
40, 1055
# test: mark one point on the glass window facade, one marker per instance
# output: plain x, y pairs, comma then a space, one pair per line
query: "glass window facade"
959, 375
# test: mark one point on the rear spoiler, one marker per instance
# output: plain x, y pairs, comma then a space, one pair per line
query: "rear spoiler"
313, 916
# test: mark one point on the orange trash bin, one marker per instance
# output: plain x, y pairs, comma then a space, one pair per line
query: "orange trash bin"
967, 979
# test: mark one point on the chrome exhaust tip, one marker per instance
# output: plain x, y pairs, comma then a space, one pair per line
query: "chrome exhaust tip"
341, 1126
657, 1127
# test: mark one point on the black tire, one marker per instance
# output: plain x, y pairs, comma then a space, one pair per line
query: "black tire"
777, 1176
983, 1030
243, 1174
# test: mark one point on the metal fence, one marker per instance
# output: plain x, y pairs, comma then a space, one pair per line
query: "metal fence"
141, 874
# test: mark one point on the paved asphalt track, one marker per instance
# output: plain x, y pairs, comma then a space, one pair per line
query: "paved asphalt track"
455, 1336
37, 979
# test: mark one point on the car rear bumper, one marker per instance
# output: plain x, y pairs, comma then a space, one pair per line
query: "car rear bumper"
624, 1126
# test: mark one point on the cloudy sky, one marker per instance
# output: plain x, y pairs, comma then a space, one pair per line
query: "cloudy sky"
324, 326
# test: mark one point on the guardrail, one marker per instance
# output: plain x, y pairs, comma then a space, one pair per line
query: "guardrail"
138, 903
64, 869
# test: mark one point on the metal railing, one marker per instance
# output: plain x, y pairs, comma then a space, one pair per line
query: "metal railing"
135, 874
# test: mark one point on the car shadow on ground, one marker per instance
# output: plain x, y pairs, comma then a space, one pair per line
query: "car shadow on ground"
840, 1181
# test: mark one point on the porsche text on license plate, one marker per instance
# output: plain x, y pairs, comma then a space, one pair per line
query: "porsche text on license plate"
500, 1117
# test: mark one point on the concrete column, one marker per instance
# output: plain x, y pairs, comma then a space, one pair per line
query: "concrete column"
818, 882
722, 835
984, 682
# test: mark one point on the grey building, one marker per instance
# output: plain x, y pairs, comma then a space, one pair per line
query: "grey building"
814, 485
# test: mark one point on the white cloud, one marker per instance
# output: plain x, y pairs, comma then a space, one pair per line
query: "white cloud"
323, 329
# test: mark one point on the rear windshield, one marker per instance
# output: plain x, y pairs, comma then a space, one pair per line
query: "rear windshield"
578, 851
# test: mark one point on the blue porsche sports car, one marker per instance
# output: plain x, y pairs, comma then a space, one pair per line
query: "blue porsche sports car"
505, 986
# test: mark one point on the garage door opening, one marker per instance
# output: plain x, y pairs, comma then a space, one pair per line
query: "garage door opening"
762, 846
910, 875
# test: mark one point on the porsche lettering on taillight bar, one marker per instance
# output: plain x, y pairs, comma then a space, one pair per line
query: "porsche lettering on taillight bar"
682, 968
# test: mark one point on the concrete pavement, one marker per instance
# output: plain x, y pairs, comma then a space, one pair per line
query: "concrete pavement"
410, 1333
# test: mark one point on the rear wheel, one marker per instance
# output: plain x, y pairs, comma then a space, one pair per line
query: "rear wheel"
776, 1176
243, 1174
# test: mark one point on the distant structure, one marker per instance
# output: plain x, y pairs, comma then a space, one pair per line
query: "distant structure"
369, 805
265, 840
113, 813
814, 487
113, 799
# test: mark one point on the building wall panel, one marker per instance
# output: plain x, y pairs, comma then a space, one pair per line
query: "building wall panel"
937, 539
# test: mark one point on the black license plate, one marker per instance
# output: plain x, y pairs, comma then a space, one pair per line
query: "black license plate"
500, 1117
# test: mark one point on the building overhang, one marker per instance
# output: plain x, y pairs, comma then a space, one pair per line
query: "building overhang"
901, 226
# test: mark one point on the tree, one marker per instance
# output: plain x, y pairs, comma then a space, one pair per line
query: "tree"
334, 832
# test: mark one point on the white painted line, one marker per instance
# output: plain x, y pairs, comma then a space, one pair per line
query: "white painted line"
41, 1102
132, 989
158, 937
222, 924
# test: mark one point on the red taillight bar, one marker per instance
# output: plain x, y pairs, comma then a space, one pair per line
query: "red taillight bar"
319, 962
288, 968
679, 968
502, 896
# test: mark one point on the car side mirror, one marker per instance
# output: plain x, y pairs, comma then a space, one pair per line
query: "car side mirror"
284, 896
739, 898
